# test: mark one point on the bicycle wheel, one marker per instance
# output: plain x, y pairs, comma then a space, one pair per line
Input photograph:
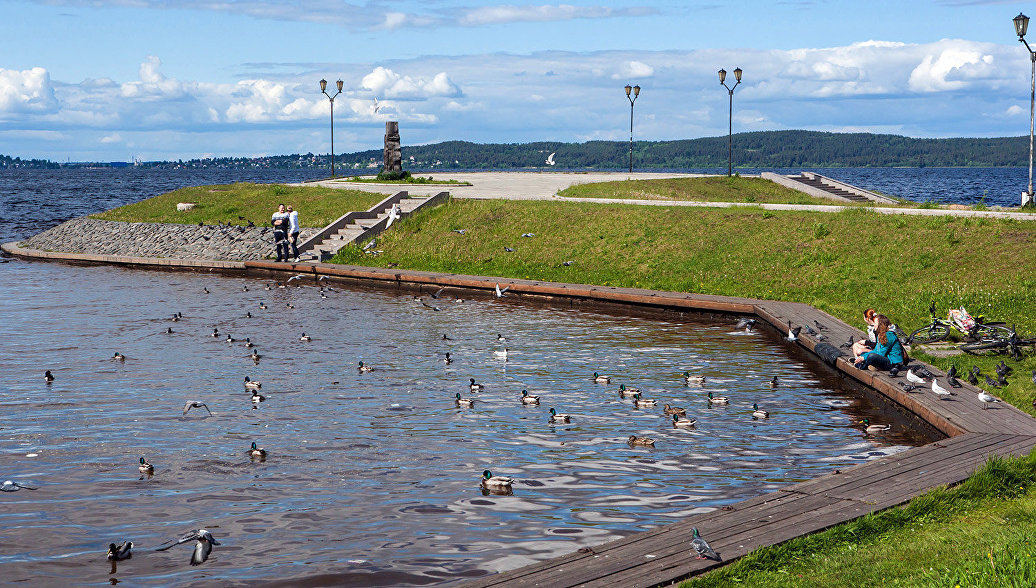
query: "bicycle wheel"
993, 333
929, 334
985, 345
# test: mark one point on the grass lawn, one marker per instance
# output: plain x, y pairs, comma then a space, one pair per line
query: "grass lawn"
708, 189
840, 262
982, 533
317, 206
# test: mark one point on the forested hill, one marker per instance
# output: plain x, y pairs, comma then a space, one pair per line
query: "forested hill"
762, 149
767, 149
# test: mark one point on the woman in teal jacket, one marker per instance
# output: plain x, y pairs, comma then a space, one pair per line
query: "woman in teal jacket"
888, 352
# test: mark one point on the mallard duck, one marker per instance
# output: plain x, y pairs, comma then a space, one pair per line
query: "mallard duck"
118, 357
689, 379
256, 452
465, 402
364, 368
206, 290
305, 338
555, 417
169, 331
251, 384
267, 287
758, 413
145, 467
215, 333
48, 377
119, 552
601, 379
475, 387
176, 317
874, 428
255, 356
773, 382
718, 399
681, 422
230, 339
248, 342
625, 392
262, 306
643, 402
489, 481
529, 398
257, 397
640, 441
674, 410
448, 360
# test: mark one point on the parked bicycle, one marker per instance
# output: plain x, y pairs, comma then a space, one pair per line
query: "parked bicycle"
1012, 345
973, 327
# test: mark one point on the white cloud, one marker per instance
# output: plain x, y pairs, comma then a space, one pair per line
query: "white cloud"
112, 138
386, 83
1015, 110
27, 91
634, 69
506, 14
948, 69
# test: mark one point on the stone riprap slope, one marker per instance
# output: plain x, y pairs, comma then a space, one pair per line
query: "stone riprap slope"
158, 240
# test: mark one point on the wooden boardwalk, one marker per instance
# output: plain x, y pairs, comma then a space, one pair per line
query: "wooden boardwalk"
663, 555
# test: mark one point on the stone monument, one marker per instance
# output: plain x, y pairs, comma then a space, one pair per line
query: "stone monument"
393, 156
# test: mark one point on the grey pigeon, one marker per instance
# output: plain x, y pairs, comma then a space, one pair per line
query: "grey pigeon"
820, 327
991, 382
972, 379
848, 343
701, 547
952, 373
809, 330
953, 382
1034, 376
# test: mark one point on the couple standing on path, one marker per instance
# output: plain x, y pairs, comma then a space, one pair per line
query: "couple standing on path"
286, 223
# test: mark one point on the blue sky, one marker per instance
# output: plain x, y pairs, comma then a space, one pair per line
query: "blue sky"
116, 79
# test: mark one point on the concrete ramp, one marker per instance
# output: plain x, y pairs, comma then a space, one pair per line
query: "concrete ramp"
819, 186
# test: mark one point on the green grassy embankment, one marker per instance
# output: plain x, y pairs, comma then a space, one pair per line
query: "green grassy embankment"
708, 189
317, 206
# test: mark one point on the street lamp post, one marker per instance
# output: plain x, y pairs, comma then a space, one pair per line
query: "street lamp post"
730, 120
632, 99
323, 90
1021, 23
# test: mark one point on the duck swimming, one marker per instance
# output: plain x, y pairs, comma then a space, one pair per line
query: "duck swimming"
718, 399
146, 468
256, 452
475, 387
689, 379
625, 392
758, 413
601, 379
448, 360
464, 402
529, 398
872, 429
363, 369
683, 422
642, 402
119, 552
634, 441
491, 482
48, 377
118, 357
257, 397
251, 384
674, 410
305, 338
556, 417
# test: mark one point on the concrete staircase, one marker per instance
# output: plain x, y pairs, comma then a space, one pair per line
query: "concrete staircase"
355, 227
823, 187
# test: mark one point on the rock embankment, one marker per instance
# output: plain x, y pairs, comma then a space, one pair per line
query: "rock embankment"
158, 240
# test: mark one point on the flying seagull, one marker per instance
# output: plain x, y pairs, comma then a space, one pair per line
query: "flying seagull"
499, 292
202, 548
195, 404
550, 158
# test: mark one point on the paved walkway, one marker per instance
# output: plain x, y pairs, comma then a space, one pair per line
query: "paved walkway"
546, 185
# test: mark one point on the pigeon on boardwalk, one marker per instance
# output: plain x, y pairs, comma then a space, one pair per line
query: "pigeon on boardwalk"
952, 372
972, 379
910, 387
702, 548
848, 343
810, 331
820, 327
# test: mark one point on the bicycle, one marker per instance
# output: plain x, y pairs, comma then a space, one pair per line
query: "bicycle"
974, 328
1011, 345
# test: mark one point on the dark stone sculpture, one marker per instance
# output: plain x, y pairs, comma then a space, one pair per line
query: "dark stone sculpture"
393, 155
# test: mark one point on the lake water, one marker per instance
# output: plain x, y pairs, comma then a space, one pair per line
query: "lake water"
371, 479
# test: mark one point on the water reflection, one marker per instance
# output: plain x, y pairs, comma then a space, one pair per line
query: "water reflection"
373, 478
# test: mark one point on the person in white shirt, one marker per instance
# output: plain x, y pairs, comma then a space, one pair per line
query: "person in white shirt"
280, 224
293, 231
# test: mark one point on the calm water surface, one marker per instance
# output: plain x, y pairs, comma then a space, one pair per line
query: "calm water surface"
371, 479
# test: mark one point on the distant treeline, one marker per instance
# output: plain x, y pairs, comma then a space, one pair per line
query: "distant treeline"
10, 162
765, 149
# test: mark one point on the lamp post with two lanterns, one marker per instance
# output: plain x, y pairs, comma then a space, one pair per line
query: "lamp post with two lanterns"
730, 122
636, 92
1021, 23
323, 90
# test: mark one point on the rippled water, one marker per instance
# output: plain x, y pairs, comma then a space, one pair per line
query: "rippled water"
373, 478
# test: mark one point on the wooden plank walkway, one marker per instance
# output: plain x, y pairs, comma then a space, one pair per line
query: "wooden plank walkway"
662, 556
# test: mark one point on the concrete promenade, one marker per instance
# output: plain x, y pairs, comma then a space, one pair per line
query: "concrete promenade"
546, 185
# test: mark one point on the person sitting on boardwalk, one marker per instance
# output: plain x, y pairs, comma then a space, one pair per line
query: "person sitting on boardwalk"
888, 350
280, 222
864, 345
